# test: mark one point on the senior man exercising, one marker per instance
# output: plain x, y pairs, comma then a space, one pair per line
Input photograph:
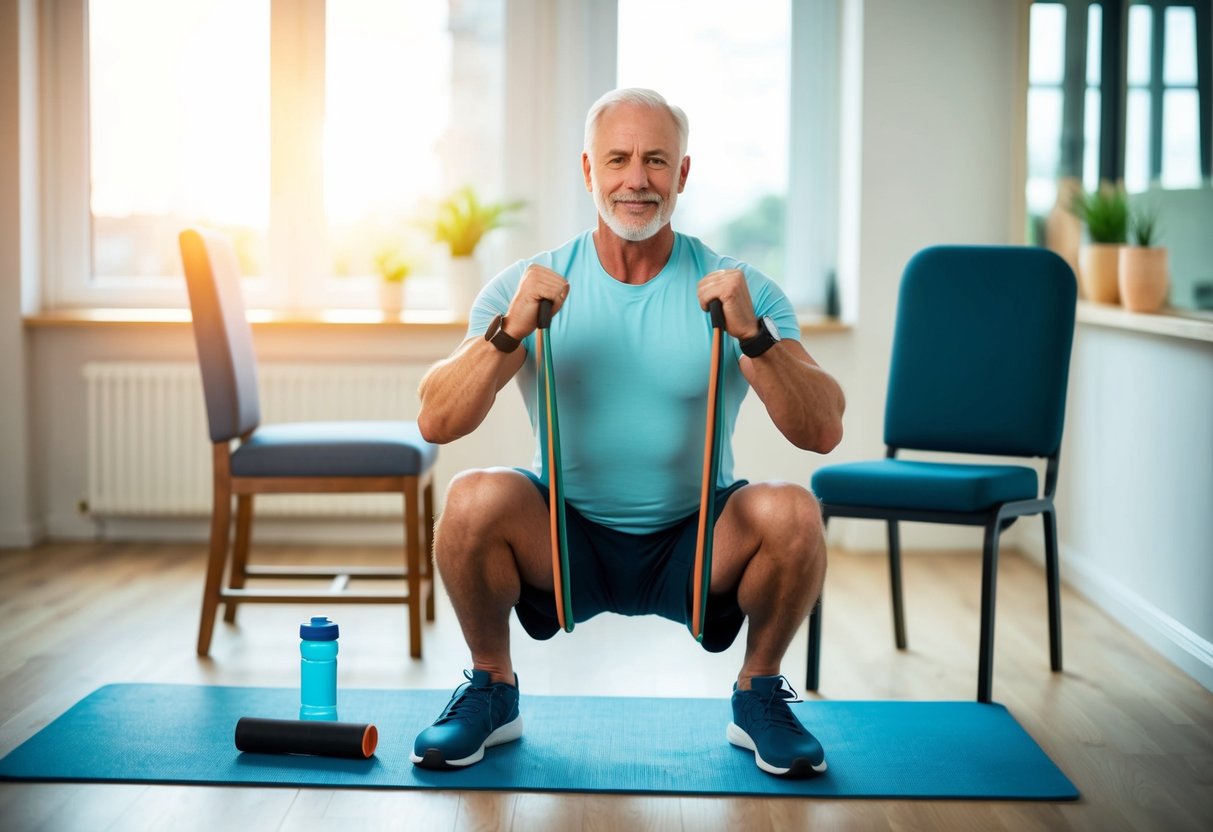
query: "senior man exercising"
633, 339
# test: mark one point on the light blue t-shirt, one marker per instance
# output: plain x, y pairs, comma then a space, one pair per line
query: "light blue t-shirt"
632, 365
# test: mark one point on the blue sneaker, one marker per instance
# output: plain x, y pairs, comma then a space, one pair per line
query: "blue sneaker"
480, 714
763, 723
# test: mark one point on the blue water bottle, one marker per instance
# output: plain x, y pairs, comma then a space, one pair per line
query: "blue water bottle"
318, 669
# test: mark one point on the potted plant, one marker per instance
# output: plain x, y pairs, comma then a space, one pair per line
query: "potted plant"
460, 223
393, 266
1143, 264
1105, 214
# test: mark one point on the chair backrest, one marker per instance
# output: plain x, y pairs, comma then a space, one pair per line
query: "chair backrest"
981, 351
222, 332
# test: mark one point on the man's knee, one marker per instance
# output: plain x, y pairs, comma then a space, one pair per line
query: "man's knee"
786, 509
481, 502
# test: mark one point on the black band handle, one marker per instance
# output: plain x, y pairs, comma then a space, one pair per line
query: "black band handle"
716, 310
545, 313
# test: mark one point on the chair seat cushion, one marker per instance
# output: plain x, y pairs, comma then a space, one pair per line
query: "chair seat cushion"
931, 486
334, 449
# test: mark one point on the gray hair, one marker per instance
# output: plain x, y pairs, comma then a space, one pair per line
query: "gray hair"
640, 97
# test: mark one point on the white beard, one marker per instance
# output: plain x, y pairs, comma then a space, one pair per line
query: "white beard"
633, 231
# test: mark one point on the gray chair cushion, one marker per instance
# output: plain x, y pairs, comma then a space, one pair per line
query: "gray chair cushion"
335, 449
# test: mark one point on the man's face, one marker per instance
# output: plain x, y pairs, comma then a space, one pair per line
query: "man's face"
634, 170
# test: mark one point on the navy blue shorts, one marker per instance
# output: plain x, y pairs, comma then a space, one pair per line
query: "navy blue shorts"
632, 574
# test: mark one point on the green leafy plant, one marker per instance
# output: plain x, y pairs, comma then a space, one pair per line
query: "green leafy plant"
462, 220
392, 264
1105, 212
1143, 226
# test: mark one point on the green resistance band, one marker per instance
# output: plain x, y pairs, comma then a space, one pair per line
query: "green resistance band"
549, 439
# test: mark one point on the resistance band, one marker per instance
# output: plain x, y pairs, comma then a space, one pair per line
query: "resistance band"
549, 440
711, 466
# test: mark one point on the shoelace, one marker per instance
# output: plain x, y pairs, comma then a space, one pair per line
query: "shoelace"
467, 701
775, 710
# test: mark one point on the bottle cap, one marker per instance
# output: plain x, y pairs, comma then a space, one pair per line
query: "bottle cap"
319, 629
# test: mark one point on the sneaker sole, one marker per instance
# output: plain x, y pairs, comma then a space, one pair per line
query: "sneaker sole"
433, 757
800, 767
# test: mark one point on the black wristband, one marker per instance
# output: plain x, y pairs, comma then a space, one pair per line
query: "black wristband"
498, 337
767, 337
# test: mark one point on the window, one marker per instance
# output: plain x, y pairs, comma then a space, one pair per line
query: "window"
301, 129
317, 133
1077, 126
729, 66
1162, 140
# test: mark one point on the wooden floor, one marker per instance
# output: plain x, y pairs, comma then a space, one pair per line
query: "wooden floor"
1133, 733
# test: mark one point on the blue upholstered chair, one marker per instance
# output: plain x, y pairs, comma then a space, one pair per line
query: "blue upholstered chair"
981, 356
297, 458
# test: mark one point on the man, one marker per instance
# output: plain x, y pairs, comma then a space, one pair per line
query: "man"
632, 347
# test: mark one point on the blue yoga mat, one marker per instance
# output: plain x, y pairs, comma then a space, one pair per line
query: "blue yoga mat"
185, 734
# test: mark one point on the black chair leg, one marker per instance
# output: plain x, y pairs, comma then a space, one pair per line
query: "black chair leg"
1054, 587
899, 615
989, 581
813, 676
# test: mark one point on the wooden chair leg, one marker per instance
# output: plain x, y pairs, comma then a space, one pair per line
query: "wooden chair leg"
989, 582
412, 564
429, 549
221, 518
244, 518
1053, 579
899, 614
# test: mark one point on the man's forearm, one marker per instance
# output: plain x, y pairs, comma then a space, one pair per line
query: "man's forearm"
803, 400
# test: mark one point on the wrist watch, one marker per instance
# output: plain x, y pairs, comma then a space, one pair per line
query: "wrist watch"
768, 335
498, 337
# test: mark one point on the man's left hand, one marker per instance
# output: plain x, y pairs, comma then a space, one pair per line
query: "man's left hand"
729, 287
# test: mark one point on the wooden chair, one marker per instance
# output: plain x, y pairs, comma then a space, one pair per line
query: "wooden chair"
292, 458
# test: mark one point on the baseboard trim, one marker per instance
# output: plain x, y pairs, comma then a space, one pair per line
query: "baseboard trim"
21, 536
1189, 651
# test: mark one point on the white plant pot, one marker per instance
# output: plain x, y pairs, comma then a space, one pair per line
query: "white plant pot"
463, 280
391, 297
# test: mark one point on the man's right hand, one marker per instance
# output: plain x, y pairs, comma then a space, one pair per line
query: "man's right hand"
537, 283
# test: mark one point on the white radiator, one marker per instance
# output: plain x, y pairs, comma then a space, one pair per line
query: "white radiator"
149, 451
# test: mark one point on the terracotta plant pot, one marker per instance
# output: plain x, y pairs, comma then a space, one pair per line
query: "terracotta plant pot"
1098, 270
1143, 278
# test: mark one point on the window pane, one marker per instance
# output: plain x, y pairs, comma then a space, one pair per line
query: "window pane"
179, 130
1046, 53
1090, 140
382, 130
1180, 154
1179, 54
1094, 43
1044, 147
728, 66
1137, 141
1141, 19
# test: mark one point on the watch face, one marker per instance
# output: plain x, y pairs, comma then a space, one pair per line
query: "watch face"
772, 328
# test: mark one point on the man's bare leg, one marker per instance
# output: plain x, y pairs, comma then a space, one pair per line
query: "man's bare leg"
770, 544
491, 537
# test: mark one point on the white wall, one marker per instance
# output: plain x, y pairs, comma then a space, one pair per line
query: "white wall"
19, 521
1135, 490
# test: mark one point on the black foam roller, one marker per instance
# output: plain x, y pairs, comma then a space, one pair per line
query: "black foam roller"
306, 736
